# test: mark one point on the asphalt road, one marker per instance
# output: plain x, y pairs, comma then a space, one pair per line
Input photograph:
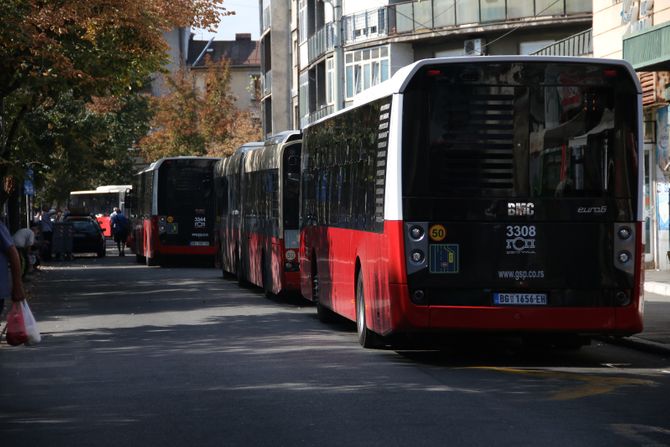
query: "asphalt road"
149, 356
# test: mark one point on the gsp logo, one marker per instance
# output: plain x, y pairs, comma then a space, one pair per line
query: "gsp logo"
520, 209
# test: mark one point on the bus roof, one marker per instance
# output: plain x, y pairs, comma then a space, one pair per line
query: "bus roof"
156, 164
113, 188
104, 189
282, 137
399, 81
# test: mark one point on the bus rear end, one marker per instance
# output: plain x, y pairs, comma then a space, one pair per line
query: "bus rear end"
290, 210
521, 198
184, 220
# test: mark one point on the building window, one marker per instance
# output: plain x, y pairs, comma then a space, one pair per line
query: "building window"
532, 47
330, 80
302, 20
365, 68
304, 95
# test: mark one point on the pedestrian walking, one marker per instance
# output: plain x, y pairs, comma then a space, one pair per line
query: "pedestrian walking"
46, 229
119, 224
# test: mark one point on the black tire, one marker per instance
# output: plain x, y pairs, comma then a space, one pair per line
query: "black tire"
324, 314
241, 279
225, 274
102, 253
139, 259
267, 276
152, 261
366, 337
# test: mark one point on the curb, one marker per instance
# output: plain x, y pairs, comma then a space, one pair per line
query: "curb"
638, 343
659, 288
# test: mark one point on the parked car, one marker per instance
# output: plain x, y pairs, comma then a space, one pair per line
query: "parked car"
87, 236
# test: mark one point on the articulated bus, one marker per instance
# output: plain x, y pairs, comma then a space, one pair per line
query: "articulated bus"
99, 203
258, 200
490, 194
172, 210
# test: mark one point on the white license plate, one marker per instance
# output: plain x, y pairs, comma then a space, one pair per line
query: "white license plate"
199, 244
520, 299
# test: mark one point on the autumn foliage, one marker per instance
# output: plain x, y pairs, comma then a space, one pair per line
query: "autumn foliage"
77, 50
193, 121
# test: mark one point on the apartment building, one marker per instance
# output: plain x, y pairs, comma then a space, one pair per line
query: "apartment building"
316, 55
244, 59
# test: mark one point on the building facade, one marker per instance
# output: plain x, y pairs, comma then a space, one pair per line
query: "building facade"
316, 55
639, 32
244, 57
277, 29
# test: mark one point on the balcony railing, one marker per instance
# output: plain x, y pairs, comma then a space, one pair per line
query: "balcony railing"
414, 16
426, 15
580, 44
317, 115
321, 42
365, 25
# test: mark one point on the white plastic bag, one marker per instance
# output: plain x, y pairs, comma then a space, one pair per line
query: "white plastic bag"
33, 332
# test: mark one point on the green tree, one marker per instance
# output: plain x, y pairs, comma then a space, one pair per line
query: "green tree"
74, 50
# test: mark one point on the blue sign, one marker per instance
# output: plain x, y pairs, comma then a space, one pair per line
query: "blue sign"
28, 187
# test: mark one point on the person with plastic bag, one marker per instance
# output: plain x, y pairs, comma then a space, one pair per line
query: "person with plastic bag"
10, 261
21, 326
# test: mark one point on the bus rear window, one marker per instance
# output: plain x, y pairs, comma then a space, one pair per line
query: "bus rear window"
185, 185
519, 130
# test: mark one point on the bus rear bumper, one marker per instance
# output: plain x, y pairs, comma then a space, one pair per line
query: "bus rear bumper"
514, 319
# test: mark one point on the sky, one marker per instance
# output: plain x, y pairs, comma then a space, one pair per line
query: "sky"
245, 20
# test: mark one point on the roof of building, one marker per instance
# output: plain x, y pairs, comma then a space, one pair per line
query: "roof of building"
241, 52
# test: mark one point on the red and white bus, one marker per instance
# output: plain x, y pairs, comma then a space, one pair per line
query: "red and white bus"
486, 194
258, 200
172, 210
99, 203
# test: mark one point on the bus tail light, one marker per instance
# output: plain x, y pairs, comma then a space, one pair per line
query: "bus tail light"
624, 247
416, 246
418, 296
417, 256
622, 298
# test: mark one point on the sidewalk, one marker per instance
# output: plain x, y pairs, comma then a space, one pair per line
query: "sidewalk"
656, 334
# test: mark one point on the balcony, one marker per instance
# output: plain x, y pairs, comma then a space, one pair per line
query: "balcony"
580, 44
317, 115
431, 15
322, 42
365, 25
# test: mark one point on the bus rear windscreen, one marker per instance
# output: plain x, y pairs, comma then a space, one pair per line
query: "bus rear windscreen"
185, 185
538, 130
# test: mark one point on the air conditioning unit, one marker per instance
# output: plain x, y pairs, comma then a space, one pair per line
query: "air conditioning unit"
474, 47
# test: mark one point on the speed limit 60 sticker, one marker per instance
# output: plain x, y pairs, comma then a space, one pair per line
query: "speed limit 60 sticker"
437, 233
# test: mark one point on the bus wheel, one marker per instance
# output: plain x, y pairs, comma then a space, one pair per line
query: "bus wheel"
241, 280
366, 337
139, 258
324, 314
152, 261
267, 276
